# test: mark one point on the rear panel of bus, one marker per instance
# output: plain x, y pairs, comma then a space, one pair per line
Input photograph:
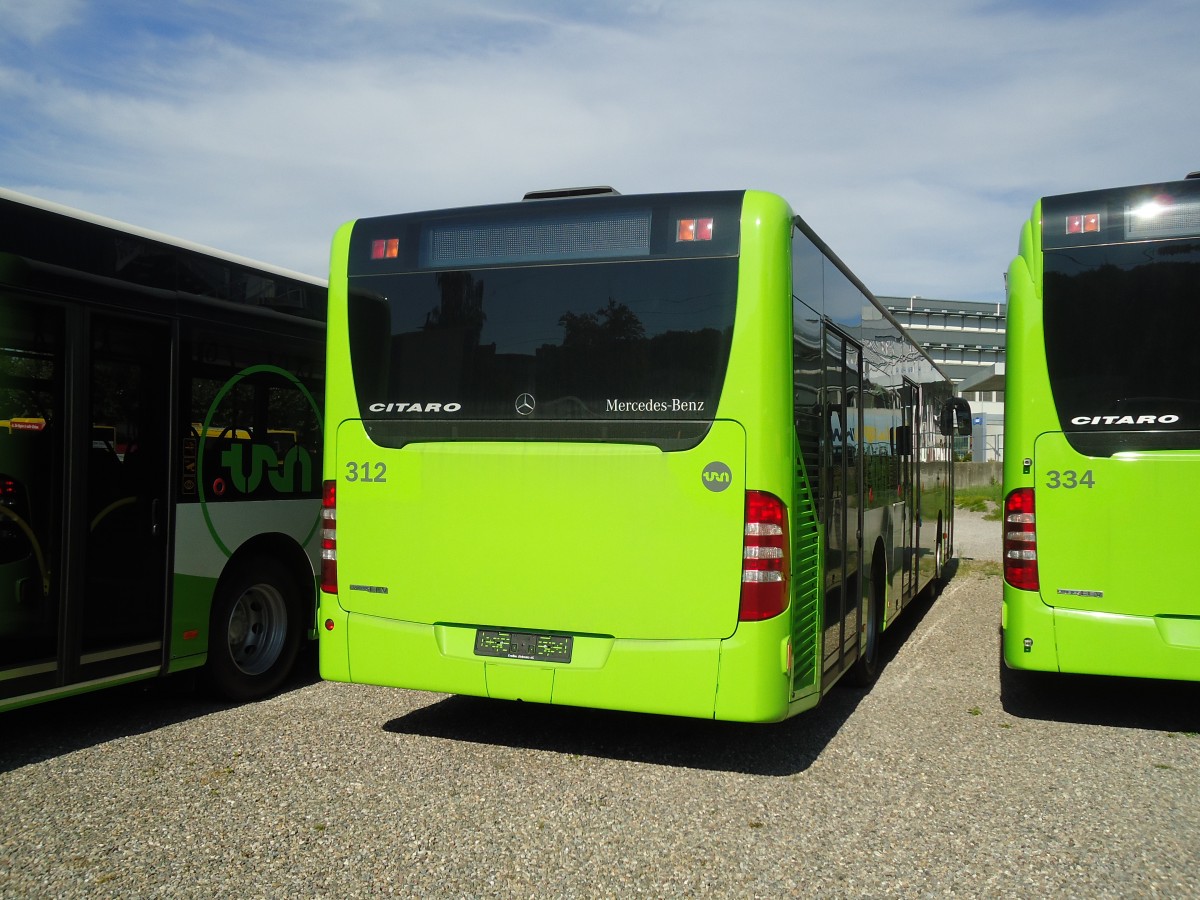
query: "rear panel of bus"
1102, 447
546, 423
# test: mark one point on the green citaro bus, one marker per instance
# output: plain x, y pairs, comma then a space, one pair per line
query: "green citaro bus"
160, 441
1102, 434
655, 453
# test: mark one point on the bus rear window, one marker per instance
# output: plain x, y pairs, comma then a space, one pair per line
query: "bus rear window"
581, 351
1120, 324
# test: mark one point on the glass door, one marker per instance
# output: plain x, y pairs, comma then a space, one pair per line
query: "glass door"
841, 480
85, 405
120, 607
33, 429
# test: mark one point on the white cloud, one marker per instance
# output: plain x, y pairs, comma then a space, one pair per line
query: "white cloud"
915, 143
34, 21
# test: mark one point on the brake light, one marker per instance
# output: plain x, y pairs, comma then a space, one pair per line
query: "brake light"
1020, 540
388, 248
329, 537
1084, 223
764, 558
693, 230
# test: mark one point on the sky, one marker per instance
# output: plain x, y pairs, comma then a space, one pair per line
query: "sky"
914, 137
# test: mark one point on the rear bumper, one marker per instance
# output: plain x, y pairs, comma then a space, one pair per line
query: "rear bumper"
743, 678
1042, 638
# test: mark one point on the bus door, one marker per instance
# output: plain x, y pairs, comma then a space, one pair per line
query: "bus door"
842, 479
120, 605
32, 454
908, 487
83, 491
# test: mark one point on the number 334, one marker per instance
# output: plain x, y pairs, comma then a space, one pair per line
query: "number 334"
1069, 479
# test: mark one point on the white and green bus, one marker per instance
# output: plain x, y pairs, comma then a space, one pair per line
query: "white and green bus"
160, 432
656, 453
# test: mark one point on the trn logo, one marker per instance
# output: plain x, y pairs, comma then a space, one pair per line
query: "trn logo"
232, 462
294, 474
717, 476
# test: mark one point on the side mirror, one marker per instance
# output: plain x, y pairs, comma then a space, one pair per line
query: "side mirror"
955, 419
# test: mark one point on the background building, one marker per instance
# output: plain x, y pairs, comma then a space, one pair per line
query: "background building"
966, 339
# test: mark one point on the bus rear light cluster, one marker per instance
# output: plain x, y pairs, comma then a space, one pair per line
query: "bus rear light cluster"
1020, 540
764, 558
388, 248
694, 230
1083, 224
329, 537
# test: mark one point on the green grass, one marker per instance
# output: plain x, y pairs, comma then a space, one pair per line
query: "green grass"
986, 568
975, 497
985, 499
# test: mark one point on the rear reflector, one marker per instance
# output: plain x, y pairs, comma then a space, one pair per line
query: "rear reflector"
1020, 540
764, 558
329, 538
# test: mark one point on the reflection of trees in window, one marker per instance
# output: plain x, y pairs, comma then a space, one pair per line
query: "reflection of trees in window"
26, 385
601, 352
1094, 297
291, 416
444, 356
607, 354
461, 305
615, 322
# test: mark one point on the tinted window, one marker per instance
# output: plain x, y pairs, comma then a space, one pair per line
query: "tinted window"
618, 342
253, 425
45, 236
1121, 325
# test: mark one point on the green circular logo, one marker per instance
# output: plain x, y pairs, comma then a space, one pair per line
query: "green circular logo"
220, 485
717, 477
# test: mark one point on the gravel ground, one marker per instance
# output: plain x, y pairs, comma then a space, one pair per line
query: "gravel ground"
976, 537
945, 779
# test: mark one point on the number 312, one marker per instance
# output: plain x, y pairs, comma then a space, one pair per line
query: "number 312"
366, 471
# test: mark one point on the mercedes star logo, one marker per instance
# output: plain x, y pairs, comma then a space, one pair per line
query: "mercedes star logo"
525, 404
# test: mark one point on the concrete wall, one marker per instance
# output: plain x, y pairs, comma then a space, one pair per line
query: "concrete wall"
978, 474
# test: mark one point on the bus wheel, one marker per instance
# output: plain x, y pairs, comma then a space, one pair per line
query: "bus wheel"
939, 564
255, 631
866, 668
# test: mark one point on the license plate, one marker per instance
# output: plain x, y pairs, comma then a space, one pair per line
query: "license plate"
523, 645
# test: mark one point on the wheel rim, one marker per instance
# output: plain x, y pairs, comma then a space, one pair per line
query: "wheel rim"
257, 629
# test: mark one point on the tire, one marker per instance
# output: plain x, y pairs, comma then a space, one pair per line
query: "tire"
937, 583
255, 631
865, 669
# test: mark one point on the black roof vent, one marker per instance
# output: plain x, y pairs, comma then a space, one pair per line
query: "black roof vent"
559, 193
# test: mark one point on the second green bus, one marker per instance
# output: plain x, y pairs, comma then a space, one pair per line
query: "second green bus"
1102, 435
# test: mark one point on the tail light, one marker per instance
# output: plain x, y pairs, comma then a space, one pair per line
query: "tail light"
764, 558
1020, 540
329, 538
